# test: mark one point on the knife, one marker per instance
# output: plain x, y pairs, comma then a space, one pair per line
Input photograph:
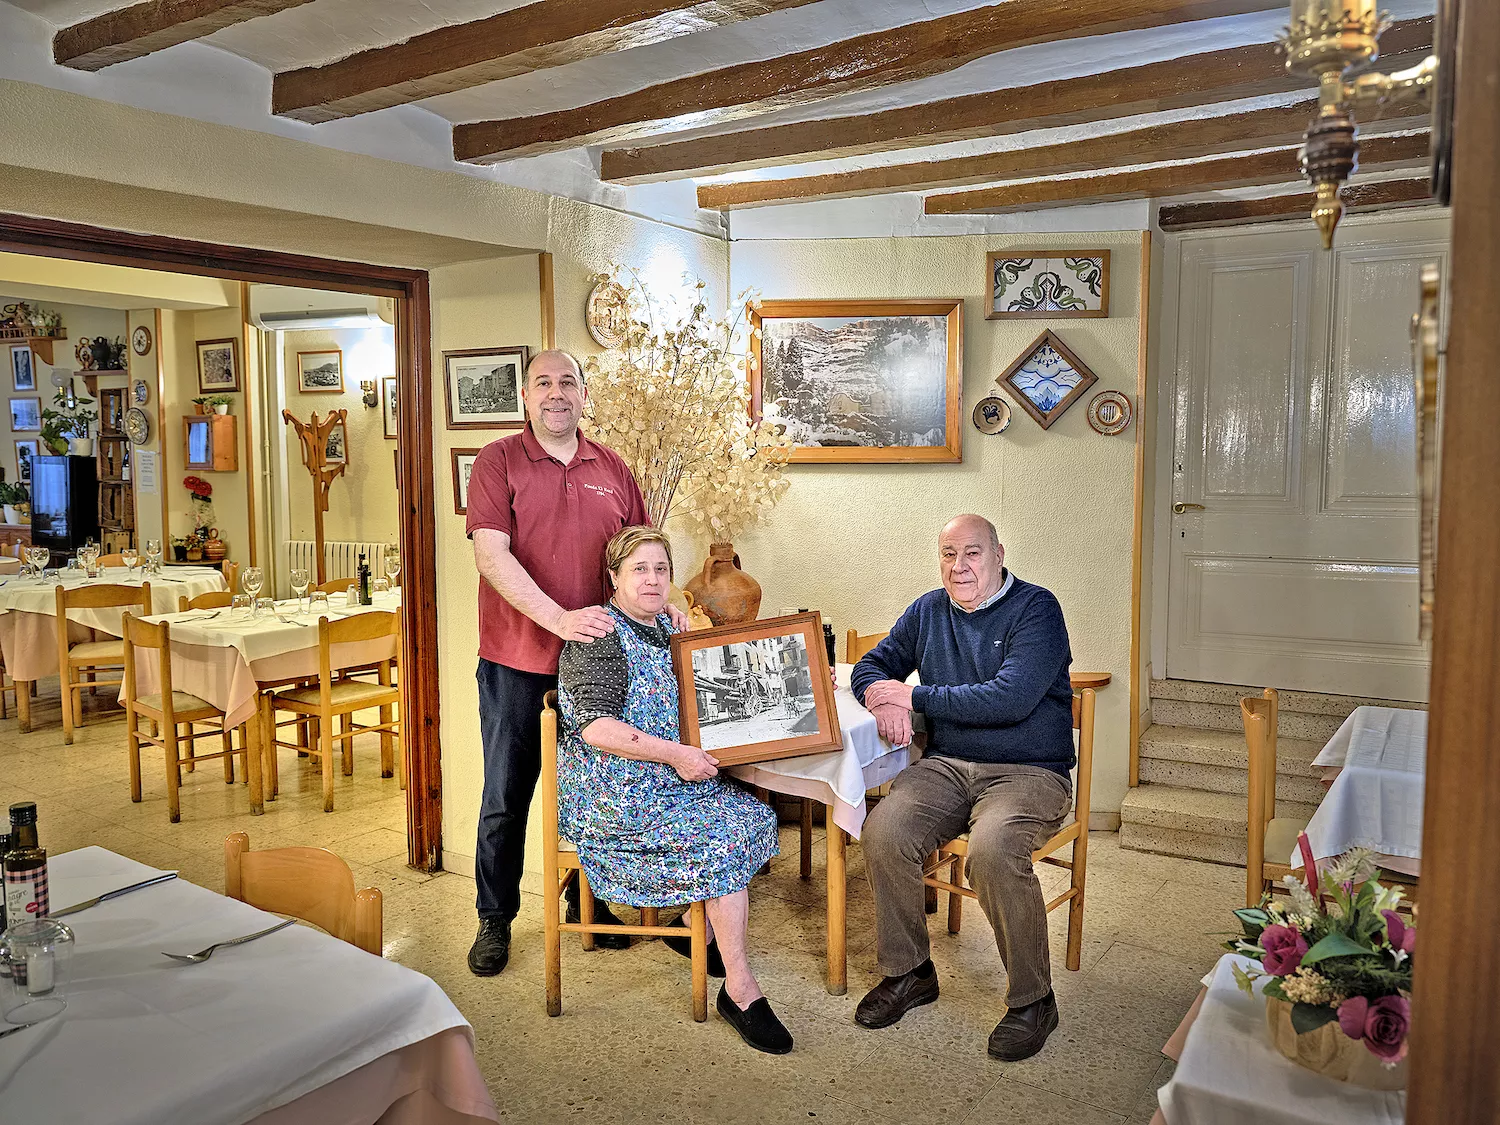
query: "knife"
112, 894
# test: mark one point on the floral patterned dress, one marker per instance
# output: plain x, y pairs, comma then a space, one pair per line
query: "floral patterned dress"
646, 837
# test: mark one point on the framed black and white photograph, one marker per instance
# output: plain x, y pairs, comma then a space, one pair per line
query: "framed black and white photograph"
218, 366
756, 691
321, 372
336, 451
26, 415
484, 388
25, 450
861, 381
22, 368
463, 465
388, 405
1046, 284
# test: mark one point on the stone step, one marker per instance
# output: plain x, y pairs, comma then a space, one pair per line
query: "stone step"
1191, 823
1217, 716
1226, 749
1185, 845
1229, 695
1219, 779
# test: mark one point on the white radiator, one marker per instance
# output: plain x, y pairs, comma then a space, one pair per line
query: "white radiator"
339, 555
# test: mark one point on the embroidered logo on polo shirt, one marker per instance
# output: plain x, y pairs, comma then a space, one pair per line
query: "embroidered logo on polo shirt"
601, 488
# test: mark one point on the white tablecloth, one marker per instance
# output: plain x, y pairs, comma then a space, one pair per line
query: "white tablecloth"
39, 595
840, 777
1230, 1074
1380, 758
146, 1040
266, 636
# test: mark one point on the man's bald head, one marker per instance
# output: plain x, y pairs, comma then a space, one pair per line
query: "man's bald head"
967, 524
556, 362
971, 559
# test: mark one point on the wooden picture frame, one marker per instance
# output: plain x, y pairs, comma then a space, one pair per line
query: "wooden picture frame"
463, 464
218, 366
26, 449
388, 406
321, 372
862, 410
503, 410
1041, 382
1026, 285
22, 368
744, 697
336, 445
25, 415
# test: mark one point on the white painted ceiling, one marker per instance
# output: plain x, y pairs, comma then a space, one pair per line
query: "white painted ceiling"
185, 78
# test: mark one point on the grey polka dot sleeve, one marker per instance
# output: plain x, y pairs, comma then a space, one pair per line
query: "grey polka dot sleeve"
597, 675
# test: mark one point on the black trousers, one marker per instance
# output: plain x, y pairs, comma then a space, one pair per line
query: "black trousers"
510, 726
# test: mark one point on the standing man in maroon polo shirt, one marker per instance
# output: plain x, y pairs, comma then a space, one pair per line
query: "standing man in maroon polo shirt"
542, 505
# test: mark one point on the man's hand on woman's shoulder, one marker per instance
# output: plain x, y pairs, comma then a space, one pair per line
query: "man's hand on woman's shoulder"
587, 624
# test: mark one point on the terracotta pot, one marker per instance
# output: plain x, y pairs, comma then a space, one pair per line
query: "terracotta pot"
215, 550
1329, 1052
725, 592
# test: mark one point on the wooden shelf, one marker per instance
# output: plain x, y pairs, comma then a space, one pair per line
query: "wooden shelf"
91, 378
42, 345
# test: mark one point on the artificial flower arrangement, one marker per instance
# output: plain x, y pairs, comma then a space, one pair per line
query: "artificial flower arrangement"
1336, 950
203, 506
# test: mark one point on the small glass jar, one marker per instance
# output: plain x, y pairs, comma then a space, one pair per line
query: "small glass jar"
36, 966
382, 586
265, 607
239, 605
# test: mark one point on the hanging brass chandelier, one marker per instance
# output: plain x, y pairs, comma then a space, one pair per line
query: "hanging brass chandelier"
1325, 39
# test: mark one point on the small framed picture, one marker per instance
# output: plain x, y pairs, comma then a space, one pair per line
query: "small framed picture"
1046, 379
388, 405
26, 415
321, 372
336, 451
756, 691
1046, 284
22, 368
463, 465
484, 388
218, 366
25, 451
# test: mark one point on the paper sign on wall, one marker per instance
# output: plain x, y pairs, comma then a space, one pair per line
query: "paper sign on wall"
145, 471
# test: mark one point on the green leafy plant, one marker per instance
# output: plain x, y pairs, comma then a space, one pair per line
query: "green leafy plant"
13, 493
68, 416
217, 400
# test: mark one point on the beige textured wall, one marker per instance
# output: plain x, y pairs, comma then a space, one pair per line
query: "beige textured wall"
858, 542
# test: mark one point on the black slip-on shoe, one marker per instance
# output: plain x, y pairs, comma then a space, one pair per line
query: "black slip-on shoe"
1023, 1031
602, 914
757, 1024
684, 945
893, 997
491, 948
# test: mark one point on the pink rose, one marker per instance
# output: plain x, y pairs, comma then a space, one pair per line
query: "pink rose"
1284, 948
1381, 1025
1401, 935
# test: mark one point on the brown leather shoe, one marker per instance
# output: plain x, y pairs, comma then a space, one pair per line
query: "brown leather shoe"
1023, 1031
893, 997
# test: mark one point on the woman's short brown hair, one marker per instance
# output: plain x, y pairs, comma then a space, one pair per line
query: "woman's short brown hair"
624, 543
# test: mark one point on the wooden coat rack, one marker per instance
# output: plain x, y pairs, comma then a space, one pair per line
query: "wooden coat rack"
314, 437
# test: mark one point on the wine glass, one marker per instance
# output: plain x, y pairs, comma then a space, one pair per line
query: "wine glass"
153, 555
300, 579
392, 562
251, 581
38, 557
130, 557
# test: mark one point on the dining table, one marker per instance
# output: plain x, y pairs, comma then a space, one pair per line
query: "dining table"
28, 615
293, 1028
230, 657
838, 780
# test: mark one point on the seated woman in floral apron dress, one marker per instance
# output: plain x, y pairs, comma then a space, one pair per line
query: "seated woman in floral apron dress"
653, 822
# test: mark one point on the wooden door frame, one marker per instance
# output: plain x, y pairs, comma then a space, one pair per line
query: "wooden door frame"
21, 234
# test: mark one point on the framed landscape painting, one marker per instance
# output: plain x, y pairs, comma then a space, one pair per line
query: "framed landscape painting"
218, 366
321, 372
25, 415
484, 388
861, 381
1046, 284
756, 691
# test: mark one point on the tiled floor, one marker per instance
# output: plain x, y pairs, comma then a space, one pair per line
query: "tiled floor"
625, 1048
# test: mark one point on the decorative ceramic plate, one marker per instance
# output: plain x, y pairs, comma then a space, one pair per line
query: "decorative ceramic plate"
1109, 412
137, 425
140, 340
607, 314
991, 415
142, 392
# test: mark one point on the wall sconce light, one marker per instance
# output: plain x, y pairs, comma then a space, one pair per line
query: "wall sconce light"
371, 399
1324, 39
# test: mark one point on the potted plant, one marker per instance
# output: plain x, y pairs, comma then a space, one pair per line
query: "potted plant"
200, 405
1336, 959
179, 548
220, 403
12, 496
66, 423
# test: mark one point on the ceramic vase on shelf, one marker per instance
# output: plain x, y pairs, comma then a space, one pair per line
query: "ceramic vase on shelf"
725, 592
1329, 1052
11, 515
80, 447
215, 550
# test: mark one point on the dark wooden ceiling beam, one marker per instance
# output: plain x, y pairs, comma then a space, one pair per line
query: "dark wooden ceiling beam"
534, 37
143, 29
1272, 167
1231, 212
1193, 80
912, 51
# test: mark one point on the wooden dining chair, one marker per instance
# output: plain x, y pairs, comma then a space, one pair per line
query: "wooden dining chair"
338, 698
335, 585
560, 866
79, 662
952, 854
1266, 834
110, 560
217, 599
231, 573
169, 711
312, 884
856, 646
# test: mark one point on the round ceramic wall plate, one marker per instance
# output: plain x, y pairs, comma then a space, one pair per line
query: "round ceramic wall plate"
991, 415
140, 340
1109, 412
142, 392
137, 425
608, 314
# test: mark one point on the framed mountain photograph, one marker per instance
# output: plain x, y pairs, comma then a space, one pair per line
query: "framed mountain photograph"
861, 381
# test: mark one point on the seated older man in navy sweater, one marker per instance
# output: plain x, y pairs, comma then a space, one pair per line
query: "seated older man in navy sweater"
993, 655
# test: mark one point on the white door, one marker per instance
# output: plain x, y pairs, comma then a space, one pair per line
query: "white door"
1294, 523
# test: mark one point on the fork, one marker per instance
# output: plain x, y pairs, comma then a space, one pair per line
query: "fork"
204, 954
